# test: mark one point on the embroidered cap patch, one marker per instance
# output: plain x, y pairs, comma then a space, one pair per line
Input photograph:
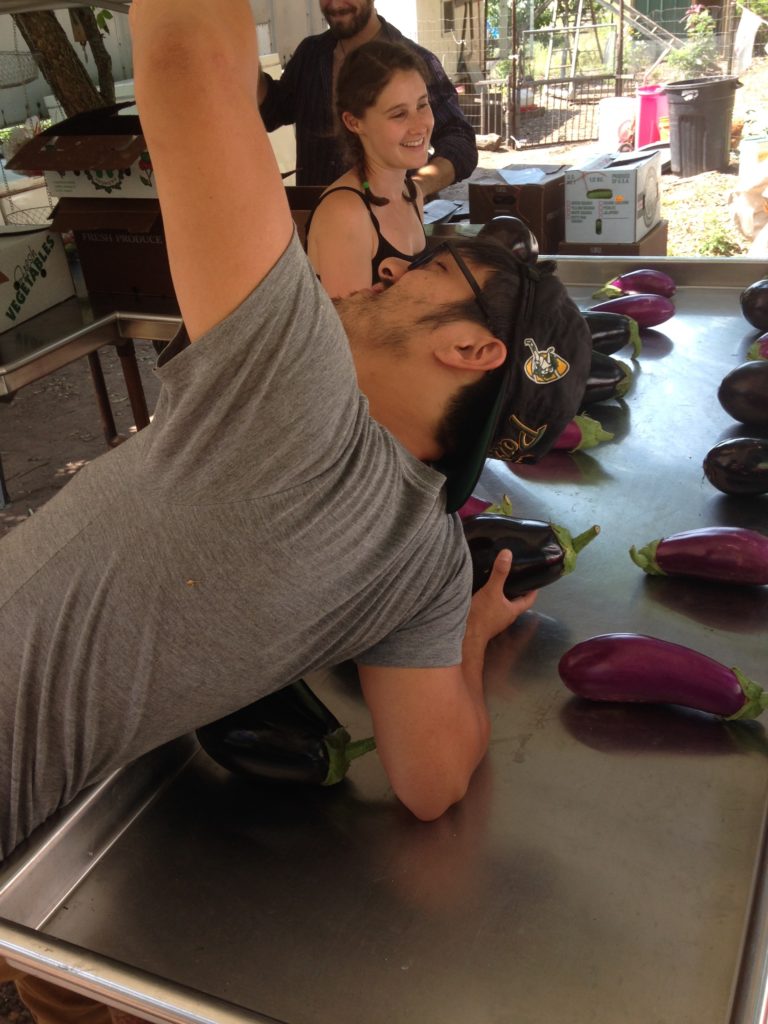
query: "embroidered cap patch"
544, 367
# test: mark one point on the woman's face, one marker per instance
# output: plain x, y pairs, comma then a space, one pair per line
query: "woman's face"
396, 130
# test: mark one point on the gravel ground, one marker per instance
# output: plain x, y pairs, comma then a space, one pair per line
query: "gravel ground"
697, 207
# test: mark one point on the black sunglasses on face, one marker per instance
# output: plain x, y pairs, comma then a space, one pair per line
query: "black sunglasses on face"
528, 275
430, 254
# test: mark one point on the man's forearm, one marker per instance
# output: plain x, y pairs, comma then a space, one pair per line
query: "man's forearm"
437, 174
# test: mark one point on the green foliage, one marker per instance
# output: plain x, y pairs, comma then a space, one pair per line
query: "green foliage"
718, 241
102, 19
698, 57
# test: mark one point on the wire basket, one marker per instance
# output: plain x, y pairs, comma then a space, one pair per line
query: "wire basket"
17, 69
31, 215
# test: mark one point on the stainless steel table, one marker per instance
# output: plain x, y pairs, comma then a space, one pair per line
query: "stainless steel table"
608, 864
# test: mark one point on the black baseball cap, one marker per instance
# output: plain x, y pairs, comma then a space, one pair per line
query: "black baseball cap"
542, 381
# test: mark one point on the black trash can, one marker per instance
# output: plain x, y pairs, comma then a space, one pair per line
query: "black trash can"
700, 113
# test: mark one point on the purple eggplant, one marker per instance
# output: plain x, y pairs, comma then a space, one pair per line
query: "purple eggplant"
754, 304
638, 282
643, 669
725, 554
541, 552
581, 433
738, 466
612, 331
743, 393
472, 506
759, 348
646, 310
608, 378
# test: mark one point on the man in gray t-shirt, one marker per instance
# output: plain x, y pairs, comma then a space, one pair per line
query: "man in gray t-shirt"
286, 509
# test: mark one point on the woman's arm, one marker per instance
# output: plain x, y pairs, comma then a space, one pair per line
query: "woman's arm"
342, 243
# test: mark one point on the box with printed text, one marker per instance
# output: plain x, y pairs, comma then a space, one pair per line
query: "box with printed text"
100, 154
34, 273
613, 198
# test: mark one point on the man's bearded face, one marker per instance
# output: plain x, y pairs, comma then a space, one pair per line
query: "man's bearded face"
346, 17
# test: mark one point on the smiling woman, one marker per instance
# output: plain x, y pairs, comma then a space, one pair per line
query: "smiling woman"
368, 224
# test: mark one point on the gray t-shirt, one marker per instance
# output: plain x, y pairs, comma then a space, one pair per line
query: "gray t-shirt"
262, 527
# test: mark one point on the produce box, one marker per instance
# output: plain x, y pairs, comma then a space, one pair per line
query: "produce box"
534, 193
652, 244
34, 273
98, 167
100, 154
613, 199
123, 256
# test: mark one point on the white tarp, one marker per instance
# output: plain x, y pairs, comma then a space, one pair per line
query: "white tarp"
744, 42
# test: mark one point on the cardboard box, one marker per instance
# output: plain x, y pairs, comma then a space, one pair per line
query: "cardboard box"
123, 256
100, 154
534, 193
98, 167
652, 244
34, 274
613, 199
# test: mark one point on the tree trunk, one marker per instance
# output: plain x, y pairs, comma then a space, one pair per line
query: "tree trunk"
87, 20
58, 62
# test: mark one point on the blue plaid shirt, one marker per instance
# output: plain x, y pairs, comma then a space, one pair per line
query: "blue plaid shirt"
303, 96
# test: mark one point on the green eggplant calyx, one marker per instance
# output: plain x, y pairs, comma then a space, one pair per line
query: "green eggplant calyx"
342, 750
502, 508
623, 386
645, 557
755, 697
592, 432
572, 545
608, 291
634, 337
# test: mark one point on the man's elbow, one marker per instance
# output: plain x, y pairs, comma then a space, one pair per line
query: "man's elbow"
430, 793
432, 805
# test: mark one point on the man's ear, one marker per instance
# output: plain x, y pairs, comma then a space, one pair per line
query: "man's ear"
473, 348
351, 123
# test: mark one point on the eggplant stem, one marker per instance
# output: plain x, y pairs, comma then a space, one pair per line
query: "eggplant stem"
645, 557
755, 697
580, 542
341, 752
356, 748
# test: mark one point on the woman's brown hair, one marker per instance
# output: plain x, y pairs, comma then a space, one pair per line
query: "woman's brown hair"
366, 71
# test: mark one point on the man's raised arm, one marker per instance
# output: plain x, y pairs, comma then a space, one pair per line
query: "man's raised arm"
224, 207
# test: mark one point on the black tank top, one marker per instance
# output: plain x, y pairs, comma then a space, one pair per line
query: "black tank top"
385, 249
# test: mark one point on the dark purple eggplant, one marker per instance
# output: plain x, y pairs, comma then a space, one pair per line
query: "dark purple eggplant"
541, 552
581, 433
754, 304
287, 736
635, 668
738, 466
759, 348
638, 282
743, 393
647, 310
612, 331
608, 378
726, 554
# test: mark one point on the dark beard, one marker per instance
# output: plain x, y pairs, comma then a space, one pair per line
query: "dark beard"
351, 28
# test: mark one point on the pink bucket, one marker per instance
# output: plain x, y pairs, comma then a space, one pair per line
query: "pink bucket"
651, 106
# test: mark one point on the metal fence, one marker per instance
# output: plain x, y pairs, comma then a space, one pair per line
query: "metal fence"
543, 86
